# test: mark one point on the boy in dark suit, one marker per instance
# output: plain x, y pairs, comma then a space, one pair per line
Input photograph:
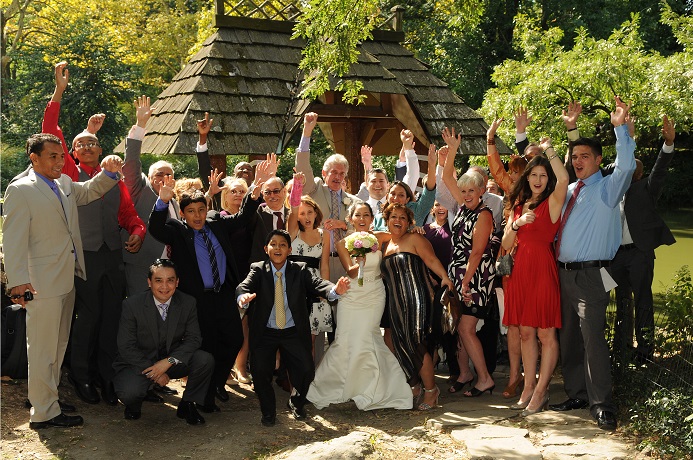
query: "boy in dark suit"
279, 291
159, 339
202, 249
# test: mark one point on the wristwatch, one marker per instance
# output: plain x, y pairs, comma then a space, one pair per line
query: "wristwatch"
172, 360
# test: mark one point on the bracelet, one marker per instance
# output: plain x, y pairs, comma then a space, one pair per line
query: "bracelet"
572, 129
490, 142
514, 228
553, 156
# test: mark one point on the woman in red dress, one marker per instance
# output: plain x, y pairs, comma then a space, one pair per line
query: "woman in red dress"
532, 297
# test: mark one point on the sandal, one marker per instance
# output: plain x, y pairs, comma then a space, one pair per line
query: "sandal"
458, 386
416, 393
426, 406
513, 388
475, 392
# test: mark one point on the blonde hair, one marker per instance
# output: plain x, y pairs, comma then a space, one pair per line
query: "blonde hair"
230, 183
185, 184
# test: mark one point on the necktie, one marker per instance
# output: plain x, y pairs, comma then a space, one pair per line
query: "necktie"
212, 260
163, 310
379, 206
280, 219
334, 214
566, 214
280, 314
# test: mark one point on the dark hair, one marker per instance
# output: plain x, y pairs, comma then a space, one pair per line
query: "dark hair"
406, 188
521, 191
391, 207
191, 196
308, 201
593, 144
275, 232
356, 204
378, 171
161, 263
35, 142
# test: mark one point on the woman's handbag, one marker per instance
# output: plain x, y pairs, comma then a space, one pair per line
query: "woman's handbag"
504, 264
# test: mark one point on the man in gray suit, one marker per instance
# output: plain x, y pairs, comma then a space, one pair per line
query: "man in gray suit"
144, 191
159, 339
43, 255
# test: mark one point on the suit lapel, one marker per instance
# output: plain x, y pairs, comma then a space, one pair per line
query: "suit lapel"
50, 196
149, 312
172, 320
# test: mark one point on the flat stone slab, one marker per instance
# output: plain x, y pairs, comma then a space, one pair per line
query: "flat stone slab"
488, 432
602, 447
553, 418
502, 448
473, 417
354, 446
559, 435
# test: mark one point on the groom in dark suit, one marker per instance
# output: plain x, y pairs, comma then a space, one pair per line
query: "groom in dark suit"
279, 291
159, 339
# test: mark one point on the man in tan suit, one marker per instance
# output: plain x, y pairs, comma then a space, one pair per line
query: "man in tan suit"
43, 254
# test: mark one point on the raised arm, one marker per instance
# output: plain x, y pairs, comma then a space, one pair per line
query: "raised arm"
522, 120
310, 120
495, 165
411, 177
619, 181
135, 181
557, 197
52, 114
453, 143
295, 202
655, 180
204, 165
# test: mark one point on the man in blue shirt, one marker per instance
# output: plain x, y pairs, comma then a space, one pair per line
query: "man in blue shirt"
588, 238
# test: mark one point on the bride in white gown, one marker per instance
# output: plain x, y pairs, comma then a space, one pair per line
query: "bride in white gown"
358, 365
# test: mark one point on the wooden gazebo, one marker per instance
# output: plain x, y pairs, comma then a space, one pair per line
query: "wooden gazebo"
246, 76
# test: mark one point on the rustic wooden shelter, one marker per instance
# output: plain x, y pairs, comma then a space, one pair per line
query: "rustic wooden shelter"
246, 76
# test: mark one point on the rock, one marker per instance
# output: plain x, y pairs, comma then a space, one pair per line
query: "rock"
502, 448
354, 446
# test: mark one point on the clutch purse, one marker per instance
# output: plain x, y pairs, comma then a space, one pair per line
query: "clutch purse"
504, 265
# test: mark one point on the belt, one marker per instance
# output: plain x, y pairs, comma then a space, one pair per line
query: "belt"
628, 246
586, 264
334, 254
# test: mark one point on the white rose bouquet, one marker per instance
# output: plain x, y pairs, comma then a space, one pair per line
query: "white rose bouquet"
359, 244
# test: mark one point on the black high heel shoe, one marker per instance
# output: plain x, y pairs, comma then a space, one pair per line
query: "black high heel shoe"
458, 386
475, 392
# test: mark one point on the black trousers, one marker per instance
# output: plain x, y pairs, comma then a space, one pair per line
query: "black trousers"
295, 356
98, 304
222, 333
131, 386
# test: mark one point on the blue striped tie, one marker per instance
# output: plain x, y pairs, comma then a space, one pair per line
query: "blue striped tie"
212, 260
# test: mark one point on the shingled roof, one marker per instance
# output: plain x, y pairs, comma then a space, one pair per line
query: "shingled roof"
246, 76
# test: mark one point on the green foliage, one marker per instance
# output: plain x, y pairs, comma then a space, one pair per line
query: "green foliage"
665, 420
678, 330
12, 162
333, 29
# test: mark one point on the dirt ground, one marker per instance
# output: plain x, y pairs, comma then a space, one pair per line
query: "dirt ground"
236, 432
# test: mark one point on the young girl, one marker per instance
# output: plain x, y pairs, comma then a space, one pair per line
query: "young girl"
312, 246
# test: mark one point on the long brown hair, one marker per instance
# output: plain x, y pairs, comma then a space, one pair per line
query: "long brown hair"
522, 192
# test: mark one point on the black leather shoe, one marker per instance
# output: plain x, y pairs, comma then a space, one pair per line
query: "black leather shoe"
132, 413
108, 394
268, 420
606, 420
165, 390
299, 413
64, 407
188, 411
85, 391
153, 397
208, 408
62, 421
221, 394
569, 404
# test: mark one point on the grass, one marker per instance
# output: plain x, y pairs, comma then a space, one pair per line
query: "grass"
671, 258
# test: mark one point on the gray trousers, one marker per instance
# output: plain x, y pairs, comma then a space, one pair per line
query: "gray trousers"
585, 360
131, 386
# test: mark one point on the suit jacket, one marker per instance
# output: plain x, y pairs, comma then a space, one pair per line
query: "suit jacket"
181, 238
144, 197
260, 225
41, 236
301, 285
646, 227
318, 190
138, 334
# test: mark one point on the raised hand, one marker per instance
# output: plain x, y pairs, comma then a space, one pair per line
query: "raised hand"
262, 174
443, 155
143, 109
407, 138
273, 164
570, 117
432, 154
204, 125
62, 76
545, 143
453, 142
367, 157
522, 119
630, 121
668, 131
618, 116
95, 122
166, 189
112, 163
493, 127
214, 178
310, 120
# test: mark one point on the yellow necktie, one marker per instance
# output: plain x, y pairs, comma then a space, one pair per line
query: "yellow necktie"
280, 314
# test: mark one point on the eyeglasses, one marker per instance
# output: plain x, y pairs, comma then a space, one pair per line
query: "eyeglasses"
276, 191
87, 145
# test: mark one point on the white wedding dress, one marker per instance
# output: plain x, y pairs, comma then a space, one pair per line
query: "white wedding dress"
358, 365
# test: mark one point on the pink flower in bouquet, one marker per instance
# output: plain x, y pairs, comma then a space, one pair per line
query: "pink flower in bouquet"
374, 247
358, 244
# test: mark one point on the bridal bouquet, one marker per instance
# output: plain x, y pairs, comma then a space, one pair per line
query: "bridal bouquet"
359, 244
